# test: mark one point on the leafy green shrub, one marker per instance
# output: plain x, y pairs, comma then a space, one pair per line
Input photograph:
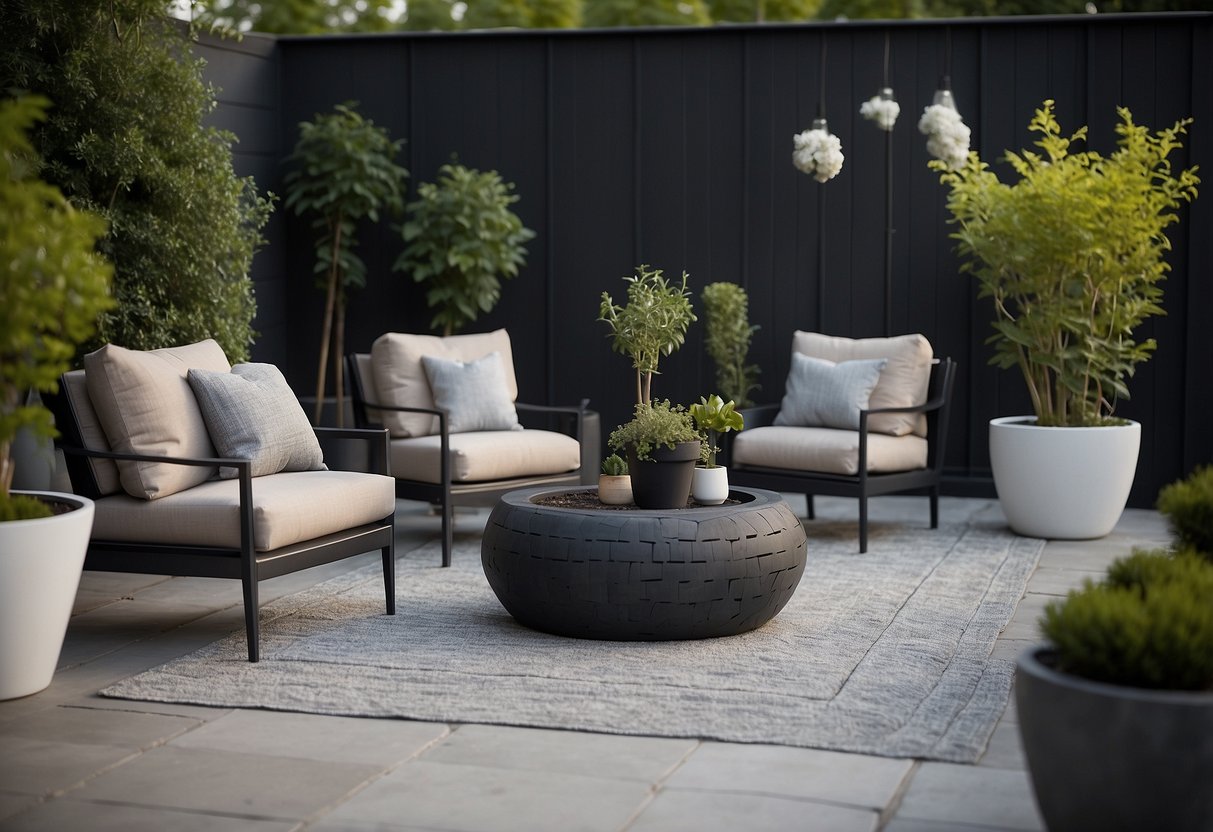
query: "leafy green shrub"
727, 339
658, 424
126, 140
654, 323
1188, 506
342, 173
53, 283
460, 240
1149, 624
713, 415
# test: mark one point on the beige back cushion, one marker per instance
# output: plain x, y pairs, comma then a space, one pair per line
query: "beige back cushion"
903, 381
92, 435
400, 378
146, 406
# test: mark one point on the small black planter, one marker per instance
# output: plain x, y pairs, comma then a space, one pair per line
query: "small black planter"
1111, 757
664, 481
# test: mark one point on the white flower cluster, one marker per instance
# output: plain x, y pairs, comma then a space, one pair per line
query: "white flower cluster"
883, 111
947, 135
818, 153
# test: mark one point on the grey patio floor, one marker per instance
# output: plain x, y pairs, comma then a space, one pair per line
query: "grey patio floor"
72, 760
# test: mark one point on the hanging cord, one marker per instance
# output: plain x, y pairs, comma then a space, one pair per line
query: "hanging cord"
821, 98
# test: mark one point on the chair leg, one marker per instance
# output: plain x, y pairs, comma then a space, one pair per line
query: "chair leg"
810, 512
448, 531
935, 507
252, 627
389, 576
863, 525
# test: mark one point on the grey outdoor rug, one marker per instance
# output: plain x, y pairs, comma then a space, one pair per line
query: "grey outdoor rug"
885, 653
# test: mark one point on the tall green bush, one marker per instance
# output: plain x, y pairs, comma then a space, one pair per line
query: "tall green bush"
126, 140
1072, 255
727, 339
53, 285
343, 172
460, 240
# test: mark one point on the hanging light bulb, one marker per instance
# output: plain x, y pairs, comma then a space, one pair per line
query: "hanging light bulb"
819, 123
886, 94
943, 95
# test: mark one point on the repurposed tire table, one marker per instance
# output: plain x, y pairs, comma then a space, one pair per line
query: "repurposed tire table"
644, 575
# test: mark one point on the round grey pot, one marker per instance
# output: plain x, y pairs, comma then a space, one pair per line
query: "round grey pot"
1111, 757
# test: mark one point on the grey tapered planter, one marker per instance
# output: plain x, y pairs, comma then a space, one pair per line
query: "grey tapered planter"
1111, 757
663, 480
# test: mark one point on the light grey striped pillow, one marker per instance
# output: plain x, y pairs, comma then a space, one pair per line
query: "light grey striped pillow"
252, 413
820, 393
473, 393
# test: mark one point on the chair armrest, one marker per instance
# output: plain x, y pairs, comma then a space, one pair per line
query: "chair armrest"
433, 411
576, 413
926, 407
201, 461
759, 416
377, 440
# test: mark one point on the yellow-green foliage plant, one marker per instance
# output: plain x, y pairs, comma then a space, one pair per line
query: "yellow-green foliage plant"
1072, 255
53, 286
1188, 506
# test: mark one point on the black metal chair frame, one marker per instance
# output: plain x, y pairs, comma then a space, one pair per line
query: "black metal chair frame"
863, 485
245, 563
445, 495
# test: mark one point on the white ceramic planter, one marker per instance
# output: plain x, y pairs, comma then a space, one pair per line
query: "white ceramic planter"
1062, 483
710, 486
40, 565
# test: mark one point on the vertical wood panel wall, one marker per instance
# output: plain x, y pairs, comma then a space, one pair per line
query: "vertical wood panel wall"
673, 148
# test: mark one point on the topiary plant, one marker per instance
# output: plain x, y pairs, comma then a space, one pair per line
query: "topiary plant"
54, 286
1148, 624
1188, 506
343, 173
1072, 255
461, 240
727, 339
656, 424
126, 139
654, 323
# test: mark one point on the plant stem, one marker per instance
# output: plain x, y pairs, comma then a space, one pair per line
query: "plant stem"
330, 304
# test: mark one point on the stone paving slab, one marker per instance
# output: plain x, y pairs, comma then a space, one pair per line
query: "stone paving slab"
69, 815
675, 810
949, 793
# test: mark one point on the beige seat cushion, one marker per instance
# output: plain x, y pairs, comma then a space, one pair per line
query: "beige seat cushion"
146, 406
400, 379
92, 435
827, 450
288, 508
903, 381
487, 455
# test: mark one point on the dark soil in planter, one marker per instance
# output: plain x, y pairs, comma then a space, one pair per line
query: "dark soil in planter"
587, 498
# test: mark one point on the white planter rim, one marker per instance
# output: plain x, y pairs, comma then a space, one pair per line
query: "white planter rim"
1030, 662
75, 500
1029, 422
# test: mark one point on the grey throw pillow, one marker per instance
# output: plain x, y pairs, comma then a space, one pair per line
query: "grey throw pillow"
251, 413
474, 393
823, 394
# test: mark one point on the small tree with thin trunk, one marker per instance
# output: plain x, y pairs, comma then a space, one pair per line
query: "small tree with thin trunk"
344, 172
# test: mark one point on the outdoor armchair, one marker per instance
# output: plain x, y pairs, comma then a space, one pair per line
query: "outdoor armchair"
859, 418
139, 431
457, 432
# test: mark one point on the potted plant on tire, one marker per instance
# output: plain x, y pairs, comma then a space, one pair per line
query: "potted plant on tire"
614, 484
1116, 713
1071, 256
653, 324
662, 445
713, 415
55, 287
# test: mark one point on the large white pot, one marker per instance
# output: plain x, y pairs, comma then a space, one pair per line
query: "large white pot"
40, 565
1062, 483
